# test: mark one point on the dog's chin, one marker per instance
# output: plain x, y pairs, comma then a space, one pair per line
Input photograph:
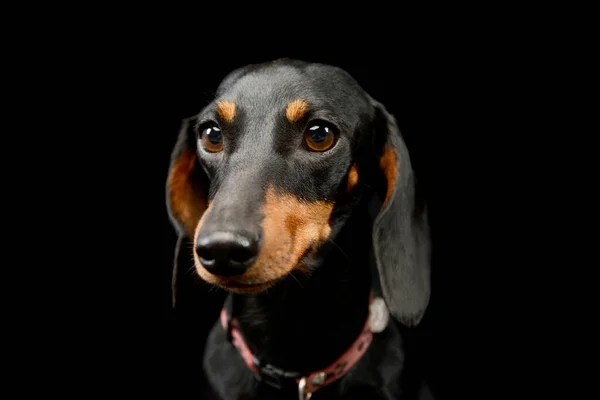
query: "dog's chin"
239, 284
241, 288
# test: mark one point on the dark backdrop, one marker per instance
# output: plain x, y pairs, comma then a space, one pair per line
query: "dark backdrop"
443, 90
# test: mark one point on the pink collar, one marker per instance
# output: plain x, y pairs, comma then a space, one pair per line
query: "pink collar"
307, 385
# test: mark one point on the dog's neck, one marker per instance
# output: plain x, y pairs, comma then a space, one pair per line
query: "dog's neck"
306, 322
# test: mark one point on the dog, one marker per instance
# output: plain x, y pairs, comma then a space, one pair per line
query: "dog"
294, 192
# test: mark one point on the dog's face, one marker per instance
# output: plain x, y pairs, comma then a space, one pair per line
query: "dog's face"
268, 172
276, 145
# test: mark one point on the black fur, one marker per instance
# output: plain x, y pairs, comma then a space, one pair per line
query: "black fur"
306, 321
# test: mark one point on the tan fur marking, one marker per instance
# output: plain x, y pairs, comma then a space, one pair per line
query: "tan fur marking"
226, 110
197, 230
389, 167
186, 203
291, 226
352, 177
296, 110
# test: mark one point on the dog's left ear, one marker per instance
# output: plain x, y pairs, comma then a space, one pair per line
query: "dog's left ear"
401, 239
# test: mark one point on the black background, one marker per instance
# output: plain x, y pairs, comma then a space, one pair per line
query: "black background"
113, 325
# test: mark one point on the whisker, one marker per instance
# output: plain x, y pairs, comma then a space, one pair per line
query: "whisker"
296, 279
191, 271
340, 249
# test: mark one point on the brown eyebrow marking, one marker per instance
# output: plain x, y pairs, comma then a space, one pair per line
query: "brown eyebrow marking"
226, 110
296, 110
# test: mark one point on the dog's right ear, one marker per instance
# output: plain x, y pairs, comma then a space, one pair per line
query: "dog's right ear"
186, 194
187, 184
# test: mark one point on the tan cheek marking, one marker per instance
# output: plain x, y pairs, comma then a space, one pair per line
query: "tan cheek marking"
390, 170
352, 177
226, 110
187, 203
290, 227
292, 222
296, 110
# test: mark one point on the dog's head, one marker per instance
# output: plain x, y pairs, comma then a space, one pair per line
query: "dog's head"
269, 171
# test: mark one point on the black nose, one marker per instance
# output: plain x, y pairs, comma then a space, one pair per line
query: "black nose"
227, 253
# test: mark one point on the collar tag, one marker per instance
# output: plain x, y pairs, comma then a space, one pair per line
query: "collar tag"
301, 390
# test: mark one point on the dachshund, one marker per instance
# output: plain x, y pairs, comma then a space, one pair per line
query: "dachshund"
293, 191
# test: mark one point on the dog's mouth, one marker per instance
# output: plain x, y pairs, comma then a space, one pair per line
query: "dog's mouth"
247, 288
256, 282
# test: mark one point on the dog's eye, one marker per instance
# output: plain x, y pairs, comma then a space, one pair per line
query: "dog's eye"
211, 139
320, 136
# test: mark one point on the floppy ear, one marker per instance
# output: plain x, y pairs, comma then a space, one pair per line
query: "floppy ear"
401, 240
186, 194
